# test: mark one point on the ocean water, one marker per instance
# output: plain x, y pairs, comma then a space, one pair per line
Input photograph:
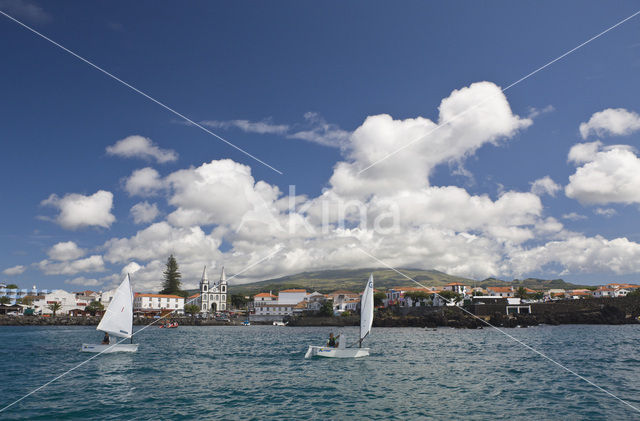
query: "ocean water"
259, 372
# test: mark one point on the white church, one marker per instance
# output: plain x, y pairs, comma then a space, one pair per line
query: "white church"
211, 298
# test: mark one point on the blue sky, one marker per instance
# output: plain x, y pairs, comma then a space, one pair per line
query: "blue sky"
311, 75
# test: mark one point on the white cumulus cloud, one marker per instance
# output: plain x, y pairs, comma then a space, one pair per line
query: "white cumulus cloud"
141, 147
67, 250
612, 121
143, 182
93, 263
545, 185
608, 174
79, 211
144, 212
82, 281
14, 270
405, 152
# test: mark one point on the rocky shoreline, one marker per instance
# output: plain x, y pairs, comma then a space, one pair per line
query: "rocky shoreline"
614, 311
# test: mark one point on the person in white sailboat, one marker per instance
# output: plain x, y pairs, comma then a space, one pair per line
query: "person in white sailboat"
332, 342
105, 340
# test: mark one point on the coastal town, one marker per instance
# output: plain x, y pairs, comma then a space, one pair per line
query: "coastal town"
214, 299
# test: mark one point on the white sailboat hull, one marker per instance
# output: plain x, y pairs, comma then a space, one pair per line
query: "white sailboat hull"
108, 349
323, 351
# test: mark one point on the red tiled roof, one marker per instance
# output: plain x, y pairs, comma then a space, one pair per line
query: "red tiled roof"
264, 294
294, 290
500, 289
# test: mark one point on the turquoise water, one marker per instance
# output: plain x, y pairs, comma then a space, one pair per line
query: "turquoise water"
259, 372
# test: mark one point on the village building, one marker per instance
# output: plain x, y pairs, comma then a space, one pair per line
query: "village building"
577, 294
264, 299
457, 287
15, 294
501, 291
157, 304
88, 296
315, 301
268, 307
67, 301
279, 310
603, 292
291, 296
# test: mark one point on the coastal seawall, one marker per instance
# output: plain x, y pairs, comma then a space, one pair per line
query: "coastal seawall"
93, 321
613, 311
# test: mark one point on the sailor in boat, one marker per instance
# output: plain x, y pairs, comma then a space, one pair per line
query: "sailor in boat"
105, 340
332, 342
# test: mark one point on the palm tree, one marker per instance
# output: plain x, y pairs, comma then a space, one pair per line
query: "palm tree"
54, 307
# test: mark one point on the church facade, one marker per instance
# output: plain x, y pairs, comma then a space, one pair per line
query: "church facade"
212, 297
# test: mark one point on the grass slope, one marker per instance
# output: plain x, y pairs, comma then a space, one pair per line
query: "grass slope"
354, 279
351, 280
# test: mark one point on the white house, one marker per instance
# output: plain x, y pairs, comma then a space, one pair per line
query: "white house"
604, 292
264, 299
67, 301
154, 303
274, 310
287, 301
457, 287
291, 296
106, 297
314, 301
501, 291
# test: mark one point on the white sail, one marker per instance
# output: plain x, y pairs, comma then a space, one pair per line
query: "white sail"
118, 319
366, 309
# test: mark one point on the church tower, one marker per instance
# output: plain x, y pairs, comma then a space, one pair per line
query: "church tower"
204, 291
223, 291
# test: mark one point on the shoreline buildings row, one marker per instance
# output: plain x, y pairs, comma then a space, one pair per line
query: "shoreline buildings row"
212, 298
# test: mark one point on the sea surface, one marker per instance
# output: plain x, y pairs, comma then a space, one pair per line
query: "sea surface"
259, 372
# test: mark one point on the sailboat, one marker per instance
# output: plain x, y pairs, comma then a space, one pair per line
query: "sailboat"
366, 321
117, 321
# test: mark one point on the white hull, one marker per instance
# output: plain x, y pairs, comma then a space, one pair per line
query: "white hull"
323, 351
107, 349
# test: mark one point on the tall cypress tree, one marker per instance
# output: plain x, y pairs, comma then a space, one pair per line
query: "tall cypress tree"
171, 280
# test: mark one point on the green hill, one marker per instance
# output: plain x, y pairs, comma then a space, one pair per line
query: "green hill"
348, 279
354, 279
532, 283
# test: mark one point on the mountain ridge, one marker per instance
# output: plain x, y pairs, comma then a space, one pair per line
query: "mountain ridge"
354, 279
